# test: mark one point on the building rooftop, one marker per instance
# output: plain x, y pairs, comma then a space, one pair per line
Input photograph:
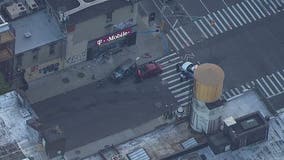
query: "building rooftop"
16, 138
35, 30
82, 10
246, 103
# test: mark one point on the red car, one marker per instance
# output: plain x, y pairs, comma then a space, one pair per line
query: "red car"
148, 70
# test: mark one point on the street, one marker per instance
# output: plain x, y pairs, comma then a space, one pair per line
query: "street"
90, 113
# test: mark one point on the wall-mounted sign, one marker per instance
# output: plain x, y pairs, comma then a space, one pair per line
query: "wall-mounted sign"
114, 36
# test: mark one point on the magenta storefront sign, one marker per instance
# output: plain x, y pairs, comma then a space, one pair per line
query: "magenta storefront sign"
114, 36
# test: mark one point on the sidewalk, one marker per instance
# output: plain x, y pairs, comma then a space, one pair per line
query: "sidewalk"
52, 85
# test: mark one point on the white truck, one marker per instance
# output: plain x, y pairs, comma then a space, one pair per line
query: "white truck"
186, 70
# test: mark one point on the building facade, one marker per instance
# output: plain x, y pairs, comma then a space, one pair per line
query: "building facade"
94, 27
7, 44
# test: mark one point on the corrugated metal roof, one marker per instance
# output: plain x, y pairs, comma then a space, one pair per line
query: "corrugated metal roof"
139, 154
189, 143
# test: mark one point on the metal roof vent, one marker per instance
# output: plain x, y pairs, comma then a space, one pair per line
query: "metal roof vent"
27, 34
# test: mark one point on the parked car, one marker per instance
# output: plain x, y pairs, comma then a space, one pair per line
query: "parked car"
186, 70
124, 70
148, 70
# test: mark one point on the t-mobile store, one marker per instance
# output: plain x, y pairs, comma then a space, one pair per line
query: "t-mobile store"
112, 43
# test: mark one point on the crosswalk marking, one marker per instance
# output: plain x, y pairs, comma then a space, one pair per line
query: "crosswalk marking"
237, 90
270, 7
227, 23
280, 75
172, 42
179, 84
185, 41
233, 92
248, 11
216, 24
170, 76
173, 81
269, 88
262, 6
187, 36
169, 61
247, 85
243, 12
176, 39
270, 80
214, 14
248, 2
174, 64
183, 99
273, 4
262, 87
277, 81
243, 87
209, 24
165, 57
180, 89
226, 13
202, 31
238, 13
184, 104
167, 72
233, 14
278, 3
258, 8
182, 94
208, 31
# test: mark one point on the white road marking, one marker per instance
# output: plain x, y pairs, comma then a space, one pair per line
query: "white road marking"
187, 36
262, 88
273, 4
266, 10
170, 76
183, 99
174, 80
233, 92
271, 91
248, 11
184, 104
202, 31
166, 67
271, 8
182, 94
276, 79
247, 86
209, 24
180, 89
167, 72
205, 28
243, 87
179, 84
170, 60
165, 57
280, 75
258, 8
225, 20
238, 91
270, 80
244, 13
279, 5
228, 94
220, 21
248, 2
238, 13
179, 42
216, 24
233, 14
172, 42
185, 41
229, 18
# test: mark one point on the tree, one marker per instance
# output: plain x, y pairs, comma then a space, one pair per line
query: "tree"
4, 86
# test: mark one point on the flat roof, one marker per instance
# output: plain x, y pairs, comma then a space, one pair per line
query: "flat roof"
84, 13
244, 104
43, 30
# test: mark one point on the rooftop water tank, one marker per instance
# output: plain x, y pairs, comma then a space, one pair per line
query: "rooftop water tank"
208, 82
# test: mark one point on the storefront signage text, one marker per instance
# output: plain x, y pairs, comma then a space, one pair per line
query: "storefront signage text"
114, 36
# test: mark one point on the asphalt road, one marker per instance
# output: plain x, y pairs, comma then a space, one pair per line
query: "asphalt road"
246, 53
88, 113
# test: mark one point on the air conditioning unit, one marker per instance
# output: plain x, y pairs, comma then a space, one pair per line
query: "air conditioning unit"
32, 4
16, 10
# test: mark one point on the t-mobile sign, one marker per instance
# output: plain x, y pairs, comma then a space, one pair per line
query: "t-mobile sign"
114, 36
